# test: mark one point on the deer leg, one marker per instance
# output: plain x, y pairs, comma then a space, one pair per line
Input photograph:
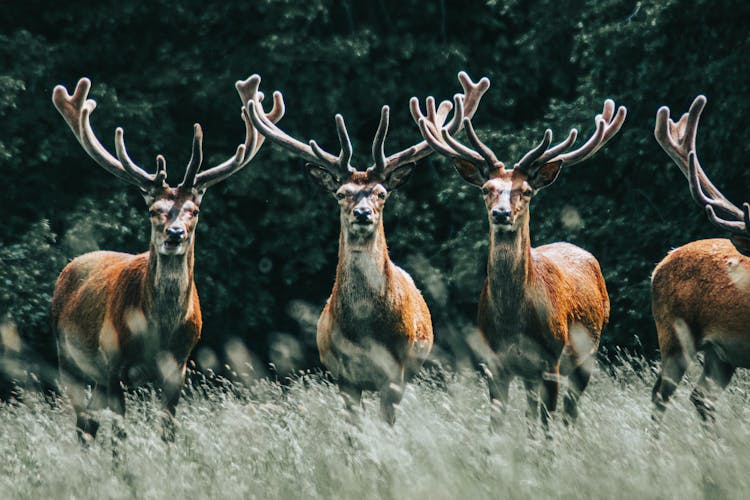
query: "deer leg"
674, 347
715, 377
352, 395
171, 387
578, 381
87, 423
672, 369
532, 399
550, 389
498, 384
116, 402
390, 397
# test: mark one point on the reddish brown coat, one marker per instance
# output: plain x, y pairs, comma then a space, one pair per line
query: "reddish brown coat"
719, 313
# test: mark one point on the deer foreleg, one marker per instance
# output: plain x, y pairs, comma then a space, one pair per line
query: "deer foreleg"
715, 377
390, 397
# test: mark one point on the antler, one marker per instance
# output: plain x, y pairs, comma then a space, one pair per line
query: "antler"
464, 104
607, 125
441, 139
678, 141
76, 109
249, 92
339, 165
735, 220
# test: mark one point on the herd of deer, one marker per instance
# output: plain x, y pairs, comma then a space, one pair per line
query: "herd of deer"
122, 320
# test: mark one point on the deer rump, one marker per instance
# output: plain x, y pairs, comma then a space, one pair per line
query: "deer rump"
719, 316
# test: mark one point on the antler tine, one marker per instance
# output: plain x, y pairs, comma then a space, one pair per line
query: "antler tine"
487, 153
345, 155
76, 109
310, 152
436, 142
196, 157
130, 167
472, 94
737, 220
678, 140
527, 162
607, 125
378, 143
249, 93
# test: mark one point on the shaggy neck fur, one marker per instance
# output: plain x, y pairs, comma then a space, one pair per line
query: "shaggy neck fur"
509, 269
169, 283
363, 266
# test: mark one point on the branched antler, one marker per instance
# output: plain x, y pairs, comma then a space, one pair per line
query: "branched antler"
441, 139
76, 109
248, 91
340, 166
607, 125
678, 140
733, 219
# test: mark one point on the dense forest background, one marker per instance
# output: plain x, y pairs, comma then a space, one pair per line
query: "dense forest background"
267, 240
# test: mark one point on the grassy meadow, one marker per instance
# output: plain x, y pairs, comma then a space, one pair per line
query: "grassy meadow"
262, 440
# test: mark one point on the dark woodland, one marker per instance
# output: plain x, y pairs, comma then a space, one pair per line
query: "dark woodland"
267, 242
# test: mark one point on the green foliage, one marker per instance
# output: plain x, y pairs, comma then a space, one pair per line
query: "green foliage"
267, 238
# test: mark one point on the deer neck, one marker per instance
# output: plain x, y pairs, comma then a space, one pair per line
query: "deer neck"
168, 289
509, 267
363, 266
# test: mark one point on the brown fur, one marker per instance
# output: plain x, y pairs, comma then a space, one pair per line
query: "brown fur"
701, 302
375, 330
531, 300
122, 319
542, 310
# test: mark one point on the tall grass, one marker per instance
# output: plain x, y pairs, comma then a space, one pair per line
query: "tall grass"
262, 441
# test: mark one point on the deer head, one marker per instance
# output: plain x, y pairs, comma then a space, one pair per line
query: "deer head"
508, 192
173, 211
361, 194
678, 141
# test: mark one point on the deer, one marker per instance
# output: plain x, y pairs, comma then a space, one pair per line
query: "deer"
541, 310
700, 292
375, 330
123, 320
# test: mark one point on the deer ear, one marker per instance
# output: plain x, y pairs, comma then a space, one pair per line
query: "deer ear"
398, 176
741, 243
469, 172
546, 175
322, 177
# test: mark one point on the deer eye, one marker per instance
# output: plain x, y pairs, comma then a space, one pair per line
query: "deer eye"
485, 191
528, 192
196, 212
381, 195
340, 196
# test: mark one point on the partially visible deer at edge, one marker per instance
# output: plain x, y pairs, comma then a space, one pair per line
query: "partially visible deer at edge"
541, 310
375, 330
701, 290
122, 319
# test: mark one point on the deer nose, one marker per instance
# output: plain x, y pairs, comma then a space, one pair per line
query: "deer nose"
500, 216
175, 232
362, 214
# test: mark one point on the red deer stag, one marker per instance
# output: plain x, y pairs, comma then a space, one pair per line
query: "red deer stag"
122, 319
542, 310
701, 291
375, 330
